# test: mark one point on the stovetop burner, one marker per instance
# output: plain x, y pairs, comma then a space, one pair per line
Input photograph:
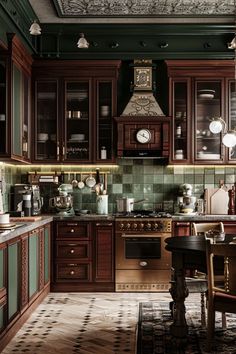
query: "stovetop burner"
144, 214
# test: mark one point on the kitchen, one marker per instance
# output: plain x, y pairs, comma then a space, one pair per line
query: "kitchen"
147, 179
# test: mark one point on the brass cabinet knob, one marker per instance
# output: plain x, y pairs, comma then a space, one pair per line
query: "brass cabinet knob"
72, 272
72, 251
72, 230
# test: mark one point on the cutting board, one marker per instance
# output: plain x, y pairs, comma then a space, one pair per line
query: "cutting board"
219, 202
26, 218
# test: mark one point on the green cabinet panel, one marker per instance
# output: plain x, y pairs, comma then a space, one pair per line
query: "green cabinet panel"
17, 112
46, 254
13, 280
1, 268
33, 264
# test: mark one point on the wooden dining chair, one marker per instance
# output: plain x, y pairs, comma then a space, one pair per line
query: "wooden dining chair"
197, 283
220, 299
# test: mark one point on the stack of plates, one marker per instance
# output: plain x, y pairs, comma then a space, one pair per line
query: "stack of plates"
209, 156
206, 93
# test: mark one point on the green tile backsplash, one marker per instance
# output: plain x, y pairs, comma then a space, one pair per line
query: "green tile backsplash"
141, 179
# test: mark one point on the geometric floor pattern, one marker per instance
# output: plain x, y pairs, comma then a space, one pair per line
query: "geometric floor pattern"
83, 323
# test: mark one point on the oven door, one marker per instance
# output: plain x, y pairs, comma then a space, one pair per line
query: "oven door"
139, 251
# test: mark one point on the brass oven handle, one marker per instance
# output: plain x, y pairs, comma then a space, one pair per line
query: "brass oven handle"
154, 235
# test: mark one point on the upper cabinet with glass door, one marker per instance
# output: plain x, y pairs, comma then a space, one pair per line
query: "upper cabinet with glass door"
46, 126
77, 121
208, 107
198, 96
232, 116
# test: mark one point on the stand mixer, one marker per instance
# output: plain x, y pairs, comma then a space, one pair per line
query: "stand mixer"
64, 202
186, 202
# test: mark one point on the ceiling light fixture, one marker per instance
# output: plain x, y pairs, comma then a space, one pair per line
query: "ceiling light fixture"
35, 29
82, 42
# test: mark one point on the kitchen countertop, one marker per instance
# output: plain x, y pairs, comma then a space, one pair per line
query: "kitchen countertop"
23, 227
201, 217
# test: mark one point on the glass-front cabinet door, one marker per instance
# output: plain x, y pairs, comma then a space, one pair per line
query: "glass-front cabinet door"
181, 110
3, 107
77, 121
105, 109
46, 130
232, 116
208, 106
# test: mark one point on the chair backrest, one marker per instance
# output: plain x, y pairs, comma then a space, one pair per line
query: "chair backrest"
201, 228
228, 254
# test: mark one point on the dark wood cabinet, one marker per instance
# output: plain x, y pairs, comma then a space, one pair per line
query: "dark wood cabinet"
74, 109
83, 256
199, 92
157, 141
181, 228
15, 106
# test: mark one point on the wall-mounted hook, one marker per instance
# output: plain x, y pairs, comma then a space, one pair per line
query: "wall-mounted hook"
114, 45
207, 45
143, 44
163, 45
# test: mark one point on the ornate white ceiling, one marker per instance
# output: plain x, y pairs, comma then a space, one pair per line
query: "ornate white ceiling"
109, 11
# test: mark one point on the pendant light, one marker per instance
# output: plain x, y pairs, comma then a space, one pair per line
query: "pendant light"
35, 29
82, 42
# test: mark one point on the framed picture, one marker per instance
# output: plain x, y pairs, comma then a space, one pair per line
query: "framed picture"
142, 78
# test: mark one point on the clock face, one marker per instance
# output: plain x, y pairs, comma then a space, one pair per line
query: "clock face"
143, 136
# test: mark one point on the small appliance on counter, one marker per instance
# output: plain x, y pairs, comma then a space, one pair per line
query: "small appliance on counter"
25, 198
64, 202
185, 201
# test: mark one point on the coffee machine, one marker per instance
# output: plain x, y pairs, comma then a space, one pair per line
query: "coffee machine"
26, 198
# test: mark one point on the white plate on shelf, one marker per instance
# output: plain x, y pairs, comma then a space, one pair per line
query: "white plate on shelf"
209, 156
206, 95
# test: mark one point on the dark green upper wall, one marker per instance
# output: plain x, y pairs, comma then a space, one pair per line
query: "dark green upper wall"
112, 41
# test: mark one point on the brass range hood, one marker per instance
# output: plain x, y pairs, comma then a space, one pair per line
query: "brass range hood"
143, 102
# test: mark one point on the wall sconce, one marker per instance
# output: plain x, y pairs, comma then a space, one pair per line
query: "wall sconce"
218, 125
82, 42
35, 29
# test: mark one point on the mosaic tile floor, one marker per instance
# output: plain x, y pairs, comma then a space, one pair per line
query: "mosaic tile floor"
83, 323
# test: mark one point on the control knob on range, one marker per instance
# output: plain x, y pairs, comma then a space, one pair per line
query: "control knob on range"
122, 226
128, 226
157, 226
141, 226
148, 226
135, 226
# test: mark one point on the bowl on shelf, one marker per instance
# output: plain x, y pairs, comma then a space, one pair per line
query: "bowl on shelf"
77, 137
206, 93
42, 137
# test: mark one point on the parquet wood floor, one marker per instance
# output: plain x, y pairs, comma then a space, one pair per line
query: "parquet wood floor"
83, 323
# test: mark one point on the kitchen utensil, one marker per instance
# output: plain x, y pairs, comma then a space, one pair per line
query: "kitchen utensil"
90, 181
74, 182
126, 204
102, 204
81, 183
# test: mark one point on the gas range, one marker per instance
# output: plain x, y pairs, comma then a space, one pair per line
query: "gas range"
144, 221
144, 214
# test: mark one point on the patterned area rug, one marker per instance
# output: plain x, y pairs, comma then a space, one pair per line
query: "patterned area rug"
154, 336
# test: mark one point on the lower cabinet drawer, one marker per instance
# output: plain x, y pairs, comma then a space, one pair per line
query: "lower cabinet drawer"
81, 250
74, 271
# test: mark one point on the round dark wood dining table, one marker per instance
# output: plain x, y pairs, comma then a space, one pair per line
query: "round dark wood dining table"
188, 252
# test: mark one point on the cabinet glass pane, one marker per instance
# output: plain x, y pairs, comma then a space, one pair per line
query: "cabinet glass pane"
26, 115
33, 264
46, 120
77, 121
3, 112
232, 115
208, 106
180, 120
17, 113
104, 119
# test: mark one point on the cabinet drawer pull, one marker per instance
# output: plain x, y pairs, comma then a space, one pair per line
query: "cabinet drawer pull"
104, 224
72, 224
72, 244
72, 251
72, 272
182, 223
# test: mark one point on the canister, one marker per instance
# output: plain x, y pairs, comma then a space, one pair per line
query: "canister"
102, 204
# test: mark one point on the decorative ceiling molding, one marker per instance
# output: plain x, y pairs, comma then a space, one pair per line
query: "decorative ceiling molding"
140, 8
